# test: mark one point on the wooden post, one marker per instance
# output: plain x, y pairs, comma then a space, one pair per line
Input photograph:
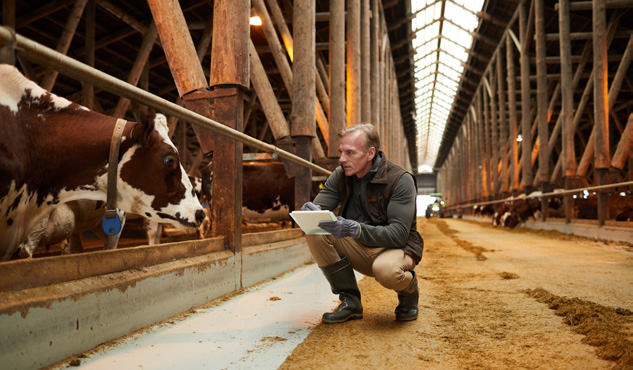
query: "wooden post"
543, 173
278, 19
512, 106
601, 105
64, 41
230, 76
303, 116
88, 93
8, 13
487, 143
376, 14
353, 63
624, 148
181, 56
567, 114
137, 68
503, 126
526, 105
337, 74
541, 95
481, 121
494, 134
266, 95
365, 36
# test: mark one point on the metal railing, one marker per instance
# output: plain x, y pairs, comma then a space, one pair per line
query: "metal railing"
43, 55
543, 195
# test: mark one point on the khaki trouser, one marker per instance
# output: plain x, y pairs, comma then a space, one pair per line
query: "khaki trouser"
390, 267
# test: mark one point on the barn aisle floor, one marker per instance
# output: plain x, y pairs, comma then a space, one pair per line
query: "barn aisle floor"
256, 329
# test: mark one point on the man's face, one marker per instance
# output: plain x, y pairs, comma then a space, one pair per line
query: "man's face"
353, 157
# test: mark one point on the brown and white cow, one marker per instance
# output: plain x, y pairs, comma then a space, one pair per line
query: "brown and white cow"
268, 194
54, 151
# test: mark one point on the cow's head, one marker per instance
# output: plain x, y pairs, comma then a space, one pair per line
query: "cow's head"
152, 181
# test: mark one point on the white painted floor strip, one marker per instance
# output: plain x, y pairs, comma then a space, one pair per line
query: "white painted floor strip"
256, 329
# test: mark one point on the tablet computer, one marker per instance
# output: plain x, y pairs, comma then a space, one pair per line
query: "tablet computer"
308, 221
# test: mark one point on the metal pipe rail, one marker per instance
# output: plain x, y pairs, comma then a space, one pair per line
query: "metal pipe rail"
545, 195
43, 55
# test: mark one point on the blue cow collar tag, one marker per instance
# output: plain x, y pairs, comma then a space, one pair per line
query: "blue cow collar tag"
111, 223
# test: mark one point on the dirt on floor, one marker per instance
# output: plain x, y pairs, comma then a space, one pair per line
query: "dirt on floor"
492, 298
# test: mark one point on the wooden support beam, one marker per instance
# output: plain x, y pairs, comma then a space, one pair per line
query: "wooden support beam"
526, 118
284, 67
137, 68
541, 96
64, 41
375, 61
512, 107
40, 12
588, 5
88, 93
266, 96
365, 65
338, 117
353, 52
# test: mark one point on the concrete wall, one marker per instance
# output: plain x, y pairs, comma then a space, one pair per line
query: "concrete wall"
43, 324
611, 231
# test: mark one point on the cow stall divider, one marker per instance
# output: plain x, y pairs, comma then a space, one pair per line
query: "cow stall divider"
54, 307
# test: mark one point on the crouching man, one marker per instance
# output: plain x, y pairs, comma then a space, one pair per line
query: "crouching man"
375, 232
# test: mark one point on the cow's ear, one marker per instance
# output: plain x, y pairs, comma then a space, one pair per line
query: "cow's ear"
143, 130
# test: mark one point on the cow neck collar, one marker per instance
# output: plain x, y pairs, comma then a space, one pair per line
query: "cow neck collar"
113, 165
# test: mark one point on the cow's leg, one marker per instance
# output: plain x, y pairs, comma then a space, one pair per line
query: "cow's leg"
75, 244
154, 229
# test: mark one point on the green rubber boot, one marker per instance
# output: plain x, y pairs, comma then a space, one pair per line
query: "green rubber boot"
340, 274
407, 309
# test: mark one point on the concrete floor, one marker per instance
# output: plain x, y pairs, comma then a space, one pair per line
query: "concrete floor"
256, 329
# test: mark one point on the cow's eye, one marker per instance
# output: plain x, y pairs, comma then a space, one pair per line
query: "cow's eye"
170, 161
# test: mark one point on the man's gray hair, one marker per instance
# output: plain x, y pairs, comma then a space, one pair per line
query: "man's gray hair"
371, 134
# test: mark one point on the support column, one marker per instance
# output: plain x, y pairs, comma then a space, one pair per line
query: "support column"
337, 74
353, 63
567, 100
601, 104
88, 93
375, 60
503, 127
303, 114
64, 41
365, 34
526, 105
542, 102
512, 106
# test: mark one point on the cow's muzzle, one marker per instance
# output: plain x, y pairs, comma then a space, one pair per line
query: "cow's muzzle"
200, 216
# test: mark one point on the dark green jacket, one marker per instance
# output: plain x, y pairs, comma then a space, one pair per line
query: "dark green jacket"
383, 202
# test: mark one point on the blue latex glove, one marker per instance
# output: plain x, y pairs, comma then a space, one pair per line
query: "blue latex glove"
309, 206
341, 228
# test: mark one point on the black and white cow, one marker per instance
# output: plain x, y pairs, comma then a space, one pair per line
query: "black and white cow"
54, 151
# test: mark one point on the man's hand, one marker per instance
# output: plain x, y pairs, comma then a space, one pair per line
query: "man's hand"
309, 206
341, 227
